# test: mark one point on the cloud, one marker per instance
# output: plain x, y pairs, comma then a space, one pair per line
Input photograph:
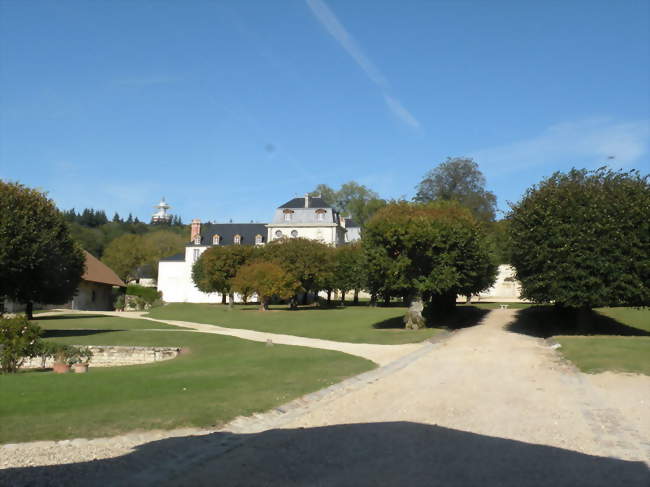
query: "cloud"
400, 112
590, 142
336, 29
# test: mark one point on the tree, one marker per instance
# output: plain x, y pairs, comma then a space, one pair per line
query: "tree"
458, 179
162, 243
349, 270
39, 261
582, 239
266, 279
305, 259
126, 254
217, 266
429, 251
351, 199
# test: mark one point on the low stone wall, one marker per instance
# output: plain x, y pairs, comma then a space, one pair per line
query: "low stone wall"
112, 356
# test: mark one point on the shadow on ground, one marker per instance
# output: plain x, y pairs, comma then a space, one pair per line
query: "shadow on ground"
73, 333
66, 317
460, 317
372, 454
547, 321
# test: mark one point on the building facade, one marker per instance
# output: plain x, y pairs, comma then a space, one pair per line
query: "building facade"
307, 217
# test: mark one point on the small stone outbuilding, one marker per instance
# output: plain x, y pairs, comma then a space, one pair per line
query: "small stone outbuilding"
95, 292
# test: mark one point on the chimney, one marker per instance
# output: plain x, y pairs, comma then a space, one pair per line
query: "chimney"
307, 200
343, 221
196, 229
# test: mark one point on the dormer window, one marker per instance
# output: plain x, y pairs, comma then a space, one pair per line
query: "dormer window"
216, 239
237, 239
197, 239
320, 215
287, 215
258, 239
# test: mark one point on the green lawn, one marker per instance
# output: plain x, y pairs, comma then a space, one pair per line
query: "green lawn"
610, 352
356, 324
219, 378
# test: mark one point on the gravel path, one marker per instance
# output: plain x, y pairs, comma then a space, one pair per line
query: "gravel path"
483, 407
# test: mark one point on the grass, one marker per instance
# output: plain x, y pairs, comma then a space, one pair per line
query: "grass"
356, 324
616, 339
218, 379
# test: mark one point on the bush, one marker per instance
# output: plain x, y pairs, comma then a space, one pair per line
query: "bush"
19, 339
65, 354
119, 302
149, 295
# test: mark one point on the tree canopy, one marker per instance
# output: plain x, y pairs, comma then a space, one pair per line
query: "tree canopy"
217, 266
352, 199
582, 239
39, 260
132, 256
458, 179
266, 279
435, 251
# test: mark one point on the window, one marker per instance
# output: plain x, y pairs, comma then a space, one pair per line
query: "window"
216, 239
320, 215
237, 239
278, 234
287, 217
197, 239
258, 239
294, 233
197, 252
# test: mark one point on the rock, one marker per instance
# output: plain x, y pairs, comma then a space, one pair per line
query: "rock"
414, 319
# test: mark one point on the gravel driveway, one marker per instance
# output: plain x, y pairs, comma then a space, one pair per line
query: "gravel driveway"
484, 407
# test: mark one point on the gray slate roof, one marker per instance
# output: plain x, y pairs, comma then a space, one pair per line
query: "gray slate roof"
180, 257
314, 202
227, 232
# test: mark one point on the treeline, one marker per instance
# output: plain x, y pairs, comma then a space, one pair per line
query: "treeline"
94, 232
414, 251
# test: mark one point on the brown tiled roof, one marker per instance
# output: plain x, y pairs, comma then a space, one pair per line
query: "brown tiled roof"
97, 271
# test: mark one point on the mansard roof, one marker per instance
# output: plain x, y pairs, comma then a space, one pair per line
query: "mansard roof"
314, 202
227, 232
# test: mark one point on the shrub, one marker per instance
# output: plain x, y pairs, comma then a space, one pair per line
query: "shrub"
66, 354
19, 339
148, 294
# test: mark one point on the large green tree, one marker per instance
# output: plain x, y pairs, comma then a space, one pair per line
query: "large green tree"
458, 179
352, 199
39, 261
266, 279
307, 260
582, 239
431, 251
218, 265
349, 270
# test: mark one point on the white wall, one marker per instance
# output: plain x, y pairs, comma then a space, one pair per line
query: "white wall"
331, 234
175, 281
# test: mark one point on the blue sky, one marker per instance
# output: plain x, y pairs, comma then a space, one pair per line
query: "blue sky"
230, 108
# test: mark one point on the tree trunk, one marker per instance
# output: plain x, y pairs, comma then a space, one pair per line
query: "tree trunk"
343, 298
29, 310
223, 298
293, 304
329, 297
264, 304
386, 299
373, 300
356, 297
231, 300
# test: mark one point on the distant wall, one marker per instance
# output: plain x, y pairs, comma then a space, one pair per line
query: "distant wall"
92, 296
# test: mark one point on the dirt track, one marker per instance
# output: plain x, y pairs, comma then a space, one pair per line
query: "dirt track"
484, 407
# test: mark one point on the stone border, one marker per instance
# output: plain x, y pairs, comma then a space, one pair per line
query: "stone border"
114, 356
